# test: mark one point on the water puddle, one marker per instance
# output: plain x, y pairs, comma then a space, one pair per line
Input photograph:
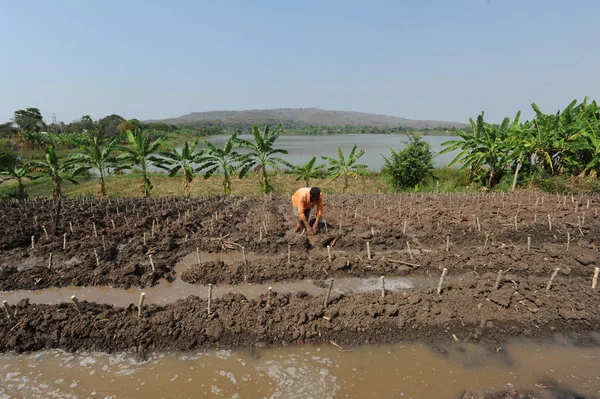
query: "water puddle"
403, 371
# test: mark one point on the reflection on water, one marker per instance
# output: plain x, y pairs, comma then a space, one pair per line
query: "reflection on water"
404, 371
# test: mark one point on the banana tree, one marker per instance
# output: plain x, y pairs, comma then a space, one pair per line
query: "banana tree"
93, 156
56, 170
225, 159
342, 167
18, 172
262, 154
486, 150
140, 154
307, 171
184, 161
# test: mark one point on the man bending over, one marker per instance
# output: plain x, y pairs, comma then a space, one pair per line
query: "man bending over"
303, 201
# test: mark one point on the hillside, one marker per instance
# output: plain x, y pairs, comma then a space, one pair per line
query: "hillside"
307, 116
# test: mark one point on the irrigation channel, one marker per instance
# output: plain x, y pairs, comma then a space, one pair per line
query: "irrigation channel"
556, 368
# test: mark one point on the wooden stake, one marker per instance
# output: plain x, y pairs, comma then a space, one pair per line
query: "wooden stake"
76, 303
487, 237
516, 223
404, 228
439, 288
64, 241
568, 240
269, 296
152, 263
528, 244
50, 261
7, 309
103, 244
552, 279
95, 231
498, 280
210, 289
289, 254
244, 256
329, 253
96, 256
595, 278
45, 231
113, 224
447, 243
368, 251
141, 303
549, 223
382, 286
478, 225
409, 251
71, 227
328, 294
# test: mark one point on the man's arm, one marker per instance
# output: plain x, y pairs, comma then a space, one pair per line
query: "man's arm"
319, 213
302, 218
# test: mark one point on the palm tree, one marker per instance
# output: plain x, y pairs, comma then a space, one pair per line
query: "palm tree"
184, 161
221, 158
139, 154
18, 172
93, 156
307, 171
346, 167
262, 154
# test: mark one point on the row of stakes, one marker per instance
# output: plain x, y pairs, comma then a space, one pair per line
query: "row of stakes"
327, 296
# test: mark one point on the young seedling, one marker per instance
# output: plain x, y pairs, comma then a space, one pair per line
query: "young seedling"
439, 288
76, 303
141, 303
210, 289
549, 285
328, 294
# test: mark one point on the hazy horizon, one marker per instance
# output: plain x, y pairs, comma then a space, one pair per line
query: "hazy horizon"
433, 60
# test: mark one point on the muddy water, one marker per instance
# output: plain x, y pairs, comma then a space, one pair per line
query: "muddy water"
403, 371
166, 292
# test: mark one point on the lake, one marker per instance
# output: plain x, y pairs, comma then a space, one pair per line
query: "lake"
302, 148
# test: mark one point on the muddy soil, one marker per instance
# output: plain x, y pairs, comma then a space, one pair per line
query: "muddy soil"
109, 242
469, 310
137, 242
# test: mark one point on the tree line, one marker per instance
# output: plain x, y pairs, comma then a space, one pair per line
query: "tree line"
564, 143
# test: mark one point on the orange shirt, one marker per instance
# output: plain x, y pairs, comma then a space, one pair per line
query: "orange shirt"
301, 200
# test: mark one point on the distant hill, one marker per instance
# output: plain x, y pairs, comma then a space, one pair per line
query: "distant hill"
307, 116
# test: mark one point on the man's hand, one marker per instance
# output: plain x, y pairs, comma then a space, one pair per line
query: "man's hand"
315, 229
309, 231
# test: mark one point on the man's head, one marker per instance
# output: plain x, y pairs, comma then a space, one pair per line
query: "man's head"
315, 194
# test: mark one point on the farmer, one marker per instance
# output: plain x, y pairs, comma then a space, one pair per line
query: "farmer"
303, 200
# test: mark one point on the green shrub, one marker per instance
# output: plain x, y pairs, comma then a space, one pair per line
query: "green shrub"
411, 166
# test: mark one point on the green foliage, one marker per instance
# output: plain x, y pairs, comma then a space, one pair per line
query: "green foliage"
55, 169
17, 171
308, 171
139, 154
183, 161
94, 156
29, 119
411, 166
262, 154
342, 167
8, 156
224, 159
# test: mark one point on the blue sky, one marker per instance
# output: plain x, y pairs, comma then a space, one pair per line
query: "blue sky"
419, 59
